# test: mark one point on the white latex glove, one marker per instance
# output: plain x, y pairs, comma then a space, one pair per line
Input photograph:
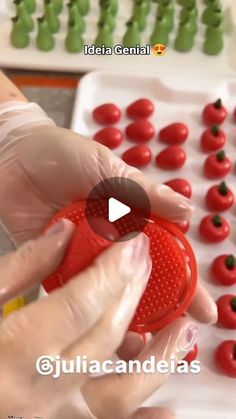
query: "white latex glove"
46, 168
88, 316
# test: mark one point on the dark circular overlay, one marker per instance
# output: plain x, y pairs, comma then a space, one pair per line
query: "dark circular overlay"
127, 192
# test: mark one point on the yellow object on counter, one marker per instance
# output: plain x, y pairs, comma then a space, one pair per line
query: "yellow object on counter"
13, 305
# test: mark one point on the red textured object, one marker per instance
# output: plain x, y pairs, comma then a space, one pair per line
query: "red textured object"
141, 108
111, 137
181, 186
219, 198
171, 285
140, 131
223, 269
171, 158
213, 139
107, 114
217, 166
214, 228
227, 311
138, 156
174, 134
225, 357
192, 355
214, 113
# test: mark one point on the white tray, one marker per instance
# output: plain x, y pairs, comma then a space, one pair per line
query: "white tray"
194, 62
208, 395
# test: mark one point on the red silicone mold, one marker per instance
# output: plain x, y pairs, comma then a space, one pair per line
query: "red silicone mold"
173, 279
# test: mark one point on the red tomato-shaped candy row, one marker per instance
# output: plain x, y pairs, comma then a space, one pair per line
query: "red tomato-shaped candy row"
223, 269
174, 134
214, 228
141, 108
107, 114
213, 139
111, 137
225, 357
138, 156
219, 197
214, 113
171, 158
227, 311
217, 166
140, 131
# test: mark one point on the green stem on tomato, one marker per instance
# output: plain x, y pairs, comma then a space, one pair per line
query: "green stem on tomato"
223, 188
218, 104
130, 23
230, 262
221, 155
217, 221
215, 130
233, 304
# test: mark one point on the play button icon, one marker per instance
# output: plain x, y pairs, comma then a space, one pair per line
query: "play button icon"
116, 210
117, 207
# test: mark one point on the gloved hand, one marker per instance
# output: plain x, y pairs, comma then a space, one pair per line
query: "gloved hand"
88, 316
45, 168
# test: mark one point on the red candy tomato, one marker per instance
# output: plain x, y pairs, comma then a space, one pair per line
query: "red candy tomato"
217, 166
107, 114
176, 133
181, 186
219, 198
192, 355
140, 131
225, 357
111, 137
213, 139
227, 311
141, 108
214, 113
223, 269
184, 226
214, 228
171, 158
138, 156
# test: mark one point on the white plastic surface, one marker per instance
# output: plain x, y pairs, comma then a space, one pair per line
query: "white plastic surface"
195, 62
208, 395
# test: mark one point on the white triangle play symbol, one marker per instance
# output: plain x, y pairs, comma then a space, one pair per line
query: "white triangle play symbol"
116, 210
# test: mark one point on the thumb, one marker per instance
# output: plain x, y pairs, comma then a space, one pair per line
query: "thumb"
33, 261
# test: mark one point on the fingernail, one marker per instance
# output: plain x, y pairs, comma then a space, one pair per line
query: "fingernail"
187, 339
212, 313
62, 226
184, 202
137, 255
